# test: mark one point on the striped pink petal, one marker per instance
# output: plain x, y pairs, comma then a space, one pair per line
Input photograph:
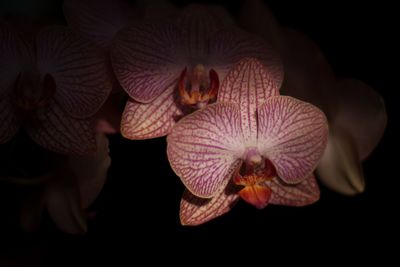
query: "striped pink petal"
53, 129
79, 70
147, 60
205, 148
248, 84
196, 211
360, 110
155, 119
301, 194
229, 46
98, 20
9, 121
293, 135
91, 171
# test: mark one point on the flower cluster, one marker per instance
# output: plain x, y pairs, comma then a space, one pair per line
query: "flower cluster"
250, 110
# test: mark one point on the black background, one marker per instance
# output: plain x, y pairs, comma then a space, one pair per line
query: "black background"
137, 210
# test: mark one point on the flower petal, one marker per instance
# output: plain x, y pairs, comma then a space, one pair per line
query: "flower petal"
205, 147
15, 54
155, 119
361, 111
98, 20
229, 46
198, 24
56, 131
80, 71
301, 194
147, 59
196, 211
293, 135
340, 167
9, 121
248, 84
91, 171
63, 204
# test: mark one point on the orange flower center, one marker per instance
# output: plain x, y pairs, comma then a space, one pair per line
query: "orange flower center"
196, 89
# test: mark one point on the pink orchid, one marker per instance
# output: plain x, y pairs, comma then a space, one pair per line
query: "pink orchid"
52, 88
171, 69
69, 190
253, 138
356, 113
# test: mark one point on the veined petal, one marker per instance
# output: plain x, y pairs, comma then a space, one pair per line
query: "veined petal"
229, 46
205, 148
79, 70
301, 194
91, 171
63, 204
360, 110
155, 119
147, 59
56, 131
248, 84
293, 135
15, 55
340, 167
199, 23
196, 211
98, 20
9, 121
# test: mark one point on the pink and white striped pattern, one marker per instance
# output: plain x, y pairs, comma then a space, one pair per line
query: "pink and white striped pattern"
293, 135
147, 59
195, 211
229, 46
78, 68
205, 148
155, 119
249, 84
301, 194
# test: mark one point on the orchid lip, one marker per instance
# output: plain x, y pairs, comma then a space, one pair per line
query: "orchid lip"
201, 90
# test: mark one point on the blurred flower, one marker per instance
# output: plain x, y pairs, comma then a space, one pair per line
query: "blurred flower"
356, 113
267, 144
52, 88
69, 190
171, 69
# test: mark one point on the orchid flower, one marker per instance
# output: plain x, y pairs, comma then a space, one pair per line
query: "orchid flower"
69, 191
356, 113
171, 69
266, 144
52, 88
